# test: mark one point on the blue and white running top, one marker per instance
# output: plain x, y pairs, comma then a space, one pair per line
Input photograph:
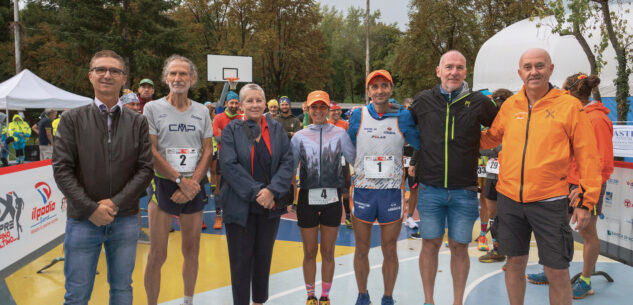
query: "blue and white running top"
379, 142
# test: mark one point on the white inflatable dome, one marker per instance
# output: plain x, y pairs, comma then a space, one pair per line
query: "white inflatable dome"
498, 59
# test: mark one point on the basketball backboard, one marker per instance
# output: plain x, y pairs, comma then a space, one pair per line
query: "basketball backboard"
220, 67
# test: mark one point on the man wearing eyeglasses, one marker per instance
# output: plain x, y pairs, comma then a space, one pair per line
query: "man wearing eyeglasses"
102, 161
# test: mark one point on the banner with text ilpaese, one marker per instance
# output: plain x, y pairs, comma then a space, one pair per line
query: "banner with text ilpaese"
32, 210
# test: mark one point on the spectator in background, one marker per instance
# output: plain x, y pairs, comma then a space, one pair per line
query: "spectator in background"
145, 92
20, 131
273, 108
289, 122
131, 101
44, 130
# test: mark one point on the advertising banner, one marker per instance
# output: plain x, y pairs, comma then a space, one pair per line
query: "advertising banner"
623, 140
32, 210
615, 224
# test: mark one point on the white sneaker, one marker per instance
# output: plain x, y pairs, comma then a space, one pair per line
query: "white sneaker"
411, 223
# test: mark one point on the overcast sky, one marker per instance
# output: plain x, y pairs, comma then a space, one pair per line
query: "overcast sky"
390, 10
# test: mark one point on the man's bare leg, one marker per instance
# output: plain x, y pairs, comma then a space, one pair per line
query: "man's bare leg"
389, 245
362, 234
428, 266
159, 226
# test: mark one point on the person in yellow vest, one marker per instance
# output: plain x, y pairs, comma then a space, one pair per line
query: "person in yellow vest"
55, 124
20, 131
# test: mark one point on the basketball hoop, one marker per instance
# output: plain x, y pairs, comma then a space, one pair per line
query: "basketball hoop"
232, 82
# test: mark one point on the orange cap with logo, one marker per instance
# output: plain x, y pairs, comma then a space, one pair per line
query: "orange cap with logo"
318, 96
377, 73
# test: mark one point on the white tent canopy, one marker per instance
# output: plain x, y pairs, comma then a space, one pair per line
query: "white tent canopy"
498, 59
27, 90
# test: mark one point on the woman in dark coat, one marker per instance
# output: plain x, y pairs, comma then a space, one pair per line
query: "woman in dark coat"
257, 165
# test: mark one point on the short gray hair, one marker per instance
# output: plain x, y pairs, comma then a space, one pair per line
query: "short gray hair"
193, 71
249, 87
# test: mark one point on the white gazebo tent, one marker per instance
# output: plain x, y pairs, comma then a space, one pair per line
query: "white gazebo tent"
27, 90
498, 59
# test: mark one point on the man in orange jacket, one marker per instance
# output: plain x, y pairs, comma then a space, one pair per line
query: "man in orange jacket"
541, 128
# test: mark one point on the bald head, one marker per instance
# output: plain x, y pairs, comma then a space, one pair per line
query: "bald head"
451, 70
452, 54
535, 69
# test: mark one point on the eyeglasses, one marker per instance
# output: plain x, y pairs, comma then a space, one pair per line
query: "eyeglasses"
100, 71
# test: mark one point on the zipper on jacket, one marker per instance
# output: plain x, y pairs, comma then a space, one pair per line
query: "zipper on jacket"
109, 117
453, 129
527, 128
448, 114
320, 150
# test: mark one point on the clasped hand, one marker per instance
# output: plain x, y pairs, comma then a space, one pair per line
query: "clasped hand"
265, 198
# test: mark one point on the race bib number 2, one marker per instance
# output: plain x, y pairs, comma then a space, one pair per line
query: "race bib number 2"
379, 167
321, 196
183, 160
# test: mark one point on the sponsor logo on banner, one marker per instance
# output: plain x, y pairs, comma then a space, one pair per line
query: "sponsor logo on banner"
619, 235
11, 207
630, 221
43, 215
623, 140
627, 203
612, 181
608, 197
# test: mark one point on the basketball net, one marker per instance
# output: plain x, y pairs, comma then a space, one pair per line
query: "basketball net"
232, 82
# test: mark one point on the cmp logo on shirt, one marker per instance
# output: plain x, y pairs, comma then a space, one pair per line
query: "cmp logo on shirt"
182, 127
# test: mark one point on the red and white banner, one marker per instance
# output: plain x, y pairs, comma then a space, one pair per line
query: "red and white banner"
615, 224
32, 210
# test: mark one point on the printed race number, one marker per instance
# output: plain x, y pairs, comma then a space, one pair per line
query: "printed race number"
481, 171
379, 167
493, 166
406, 161
183, 160
321, 196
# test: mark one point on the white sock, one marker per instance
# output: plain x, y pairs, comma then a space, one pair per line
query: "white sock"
188, 300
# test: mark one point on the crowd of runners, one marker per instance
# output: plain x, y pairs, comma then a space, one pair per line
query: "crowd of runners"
547, 152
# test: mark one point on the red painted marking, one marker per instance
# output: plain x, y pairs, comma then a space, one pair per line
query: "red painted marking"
623, 164
25, 166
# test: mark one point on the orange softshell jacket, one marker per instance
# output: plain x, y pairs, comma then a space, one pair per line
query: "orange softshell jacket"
538, 145
603, 129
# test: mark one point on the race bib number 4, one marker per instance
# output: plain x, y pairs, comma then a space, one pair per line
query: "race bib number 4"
322, 196
481, 171
183, 160
379, 167
493, 166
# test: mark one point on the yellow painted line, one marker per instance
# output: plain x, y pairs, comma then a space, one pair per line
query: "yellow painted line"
30, 288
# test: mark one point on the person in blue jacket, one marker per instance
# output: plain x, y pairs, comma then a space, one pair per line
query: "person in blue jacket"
257, 165
379, 131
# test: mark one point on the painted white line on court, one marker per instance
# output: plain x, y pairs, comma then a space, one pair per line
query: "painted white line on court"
300, 288
478, 281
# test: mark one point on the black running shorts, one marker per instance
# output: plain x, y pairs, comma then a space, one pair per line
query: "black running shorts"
310, 216
165, 189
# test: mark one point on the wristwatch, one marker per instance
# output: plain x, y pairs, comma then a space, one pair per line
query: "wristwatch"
179, 179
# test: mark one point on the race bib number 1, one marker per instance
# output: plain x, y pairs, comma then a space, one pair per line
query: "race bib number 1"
322, 196
481, 171
183, 160
379, 167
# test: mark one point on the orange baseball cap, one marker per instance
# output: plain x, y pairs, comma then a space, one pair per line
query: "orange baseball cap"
376, 73
335, 106
318, 96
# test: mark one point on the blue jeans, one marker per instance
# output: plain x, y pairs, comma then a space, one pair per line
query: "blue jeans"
82, 246
436, 205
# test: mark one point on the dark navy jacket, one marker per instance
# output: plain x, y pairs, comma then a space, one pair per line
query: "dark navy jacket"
239, 189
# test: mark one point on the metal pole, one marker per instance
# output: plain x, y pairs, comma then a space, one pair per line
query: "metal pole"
16, 29
367, 49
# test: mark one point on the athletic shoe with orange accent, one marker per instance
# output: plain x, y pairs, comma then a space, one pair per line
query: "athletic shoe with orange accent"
204, 225
312, 301
482, 243
218, 223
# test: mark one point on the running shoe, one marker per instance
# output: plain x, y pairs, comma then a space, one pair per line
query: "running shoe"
446, 243
415, 235
324, 301
204, 225
363, 299
218, 223
504, 267
537, 278
293, 208
348, 223
312, 301
482, 243
143, 238
410, 223
387, 300
492, 256
581, 289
